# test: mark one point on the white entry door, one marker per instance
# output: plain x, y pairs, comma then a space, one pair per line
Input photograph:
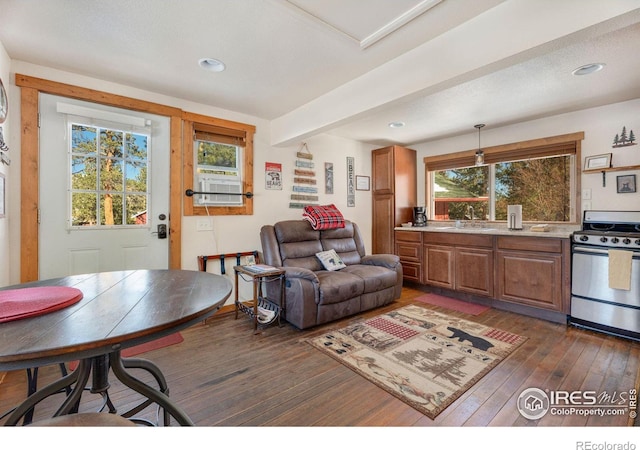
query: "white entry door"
100, 208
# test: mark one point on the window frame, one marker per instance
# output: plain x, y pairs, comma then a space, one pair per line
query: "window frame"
537, 148
193, 123
124, 159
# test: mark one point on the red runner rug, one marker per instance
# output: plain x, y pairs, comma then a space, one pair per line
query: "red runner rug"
166, 341
452, 303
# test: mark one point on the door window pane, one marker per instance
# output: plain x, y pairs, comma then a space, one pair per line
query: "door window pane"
105, 164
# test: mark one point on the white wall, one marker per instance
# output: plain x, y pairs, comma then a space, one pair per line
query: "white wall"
238, 233
230, 233
241, 233
600, 125
5, 67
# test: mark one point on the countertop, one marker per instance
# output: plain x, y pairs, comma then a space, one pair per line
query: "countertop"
555, 231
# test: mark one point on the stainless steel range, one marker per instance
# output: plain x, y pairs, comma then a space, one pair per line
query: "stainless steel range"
605, 273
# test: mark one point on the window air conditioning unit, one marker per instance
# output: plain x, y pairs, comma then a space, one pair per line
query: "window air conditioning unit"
223, 187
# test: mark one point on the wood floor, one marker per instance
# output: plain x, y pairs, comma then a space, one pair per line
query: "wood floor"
225, 375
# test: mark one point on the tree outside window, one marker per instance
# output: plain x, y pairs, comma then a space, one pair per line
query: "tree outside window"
108, 177
542, 186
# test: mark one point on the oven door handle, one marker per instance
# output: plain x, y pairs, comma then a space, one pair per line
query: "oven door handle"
599, 251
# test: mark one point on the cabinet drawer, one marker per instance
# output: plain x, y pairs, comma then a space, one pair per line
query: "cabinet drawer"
532, 244
409, 236
411, 271
458, 239
409, 252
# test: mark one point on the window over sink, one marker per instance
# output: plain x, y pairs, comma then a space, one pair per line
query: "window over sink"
541, 175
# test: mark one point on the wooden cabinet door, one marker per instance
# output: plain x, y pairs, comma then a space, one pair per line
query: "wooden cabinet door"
383, 170
474, 271
383, 226
439, 266
533, 279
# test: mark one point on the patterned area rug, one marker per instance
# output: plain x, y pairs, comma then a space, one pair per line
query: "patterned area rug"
425, 358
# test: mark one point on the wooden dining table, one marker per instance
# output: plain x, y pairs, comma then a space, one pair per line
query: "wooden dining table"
117, 310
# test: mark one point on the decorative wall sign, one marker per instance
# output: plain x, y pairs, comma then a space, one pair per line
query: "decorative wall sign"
328, 178
362, 183
304, 180
273, 176
351, 182
626, 184
622, 140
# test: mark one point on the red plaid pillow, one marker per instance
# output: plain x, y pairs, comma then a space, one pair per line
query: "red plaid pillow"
323, 217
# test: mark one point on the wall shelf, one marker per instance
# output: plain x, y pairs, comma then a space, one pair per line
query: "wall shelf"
612, 169
604, 171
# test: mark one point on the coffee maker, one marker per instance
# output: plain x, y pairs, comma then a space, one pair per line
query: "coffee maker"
419, 216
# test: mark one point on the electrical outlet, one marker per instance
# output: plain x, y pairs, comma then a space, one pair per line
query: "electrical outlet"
204, 224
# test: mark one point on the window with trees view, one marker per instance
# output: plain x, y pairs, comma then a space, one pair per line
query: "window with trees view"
541, 186
541, 175
108, 177
218, 157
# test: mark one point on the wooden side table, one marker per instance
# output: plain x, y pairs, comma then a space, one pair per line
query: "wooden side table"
250, 307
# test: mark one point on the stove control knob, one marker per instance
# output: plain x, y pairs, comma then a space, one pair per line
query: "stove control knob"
603, 239
626, 241
637, 241
615, 240
584, 238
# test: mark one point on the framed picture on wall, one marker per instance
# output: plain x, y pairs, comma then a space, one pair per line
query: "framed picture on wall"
598, 161
626, 184
362, 183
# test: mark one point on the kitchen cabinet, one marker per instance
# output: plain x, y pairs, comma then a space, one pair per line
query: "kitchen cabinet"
394, 194
409, 249
526, 274
532, 272
439, 266
474, 271
461, 262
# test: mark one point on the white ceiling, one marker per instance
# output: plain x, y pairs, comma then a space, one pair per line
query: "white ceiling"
346, 67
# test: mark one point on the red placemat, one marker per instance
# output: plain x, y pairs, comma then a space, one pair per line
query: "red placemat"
28, 302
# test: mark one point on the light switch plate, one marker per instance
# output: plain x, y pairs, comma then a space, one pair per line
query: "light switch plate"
204, 224
586, 194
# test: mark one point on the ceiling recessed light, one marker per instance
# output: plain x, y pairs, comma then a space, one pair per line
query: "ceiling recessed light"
588, 68
396, 124
212, 64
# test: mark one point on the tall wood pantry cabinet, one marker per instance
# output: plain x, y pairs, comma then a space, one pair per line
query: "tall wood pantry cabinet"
394, 186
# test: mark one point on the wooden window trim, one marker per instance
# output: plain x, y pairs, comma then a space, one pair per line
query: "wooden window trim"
565, 144
30, 88
556, 145
193, 123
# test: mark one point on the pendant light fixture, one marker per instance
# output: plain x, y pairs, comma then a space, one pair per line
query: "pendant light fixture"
479, 152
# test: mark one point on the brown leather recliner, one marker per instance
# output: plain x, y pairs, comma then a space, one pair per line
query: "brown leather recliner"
313, 295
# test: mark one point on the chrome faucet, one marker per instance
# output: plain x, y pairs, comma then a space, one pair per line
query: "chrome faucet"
472, 216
